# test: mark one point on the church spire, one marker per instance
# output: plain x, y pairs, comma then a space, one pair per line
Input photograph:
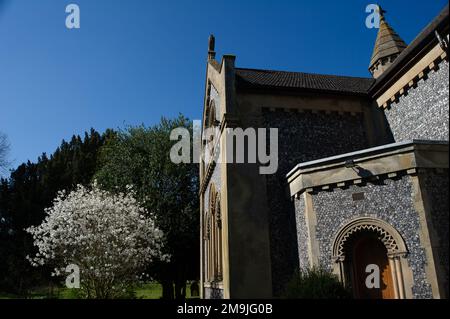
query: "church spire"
388, 47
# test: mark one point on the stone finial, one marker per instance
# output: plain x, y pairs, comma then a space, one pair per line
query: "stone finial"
211, 47
381, 12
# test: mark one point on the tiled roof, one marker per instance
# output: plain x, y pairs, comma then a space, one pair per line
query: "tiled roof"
388, 43
426, 36
297, 81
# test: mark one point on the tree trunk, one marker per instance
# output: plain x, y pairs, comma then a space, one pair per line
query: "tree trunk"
167, 289
180, 289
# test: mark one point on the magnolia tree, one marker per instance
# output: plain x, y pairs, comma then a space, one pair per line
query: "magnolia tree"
108, 237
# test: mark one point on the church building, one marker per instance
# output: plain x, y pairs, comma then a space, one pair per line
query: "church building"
362, 173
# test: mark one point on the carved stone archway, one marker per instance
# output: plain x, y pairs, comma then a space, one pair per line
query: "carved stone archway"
388, 235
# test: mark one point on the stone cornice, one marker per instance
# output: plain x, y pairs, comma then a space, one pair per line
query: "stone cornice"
389, 161
429, 62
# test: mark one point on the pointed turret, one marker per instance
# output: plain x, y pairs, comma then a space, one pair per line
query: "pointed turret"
388, 47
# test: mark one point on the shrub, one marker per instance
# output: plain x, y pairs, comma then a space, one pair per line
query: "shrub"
316, 283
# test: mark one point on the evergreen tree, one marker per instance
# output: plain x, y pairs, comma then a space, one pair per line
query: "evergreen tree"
30, 189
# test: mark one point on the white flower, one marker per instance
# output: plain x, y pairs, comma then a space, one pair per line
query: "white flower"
108, 234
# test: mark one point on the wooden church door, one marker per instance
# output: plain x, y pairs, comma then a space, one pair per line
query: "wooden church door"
370, 250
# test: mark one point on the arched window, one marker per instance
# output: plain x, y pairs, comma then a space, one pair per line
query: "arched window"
213, 239
219, 257
210, 133
212, 114
207, 245
211, 249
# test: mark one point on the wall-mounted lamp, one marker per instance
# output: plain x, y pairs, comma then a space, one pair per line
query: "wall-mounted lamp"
349, 163
442, 43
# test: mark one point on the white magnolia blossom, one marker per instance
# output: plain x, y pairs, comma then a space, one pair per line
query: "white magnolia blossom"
108, 236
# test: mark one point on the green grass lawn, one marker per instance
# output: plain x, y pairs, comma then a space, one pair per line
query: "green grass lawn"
6, 296
150, 290
154, 291
44, 293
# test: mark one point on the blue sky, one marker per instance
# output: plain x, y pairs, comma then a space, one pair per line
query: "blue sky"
134, 61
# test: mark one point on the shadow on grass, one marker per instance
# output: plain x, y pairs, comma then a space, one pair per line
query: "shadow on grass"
151, 290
